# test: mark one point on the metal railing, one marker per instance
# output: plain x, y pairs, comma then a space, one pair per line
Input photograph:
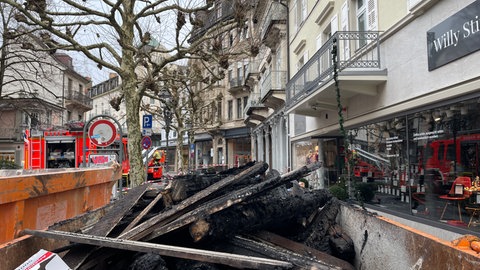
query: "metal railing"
276, 13
356, 51
80, 98
274, 80
236, 82
253, 101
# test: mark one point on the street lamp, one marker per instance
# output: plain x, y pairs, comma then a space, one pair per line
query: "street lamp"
167, 117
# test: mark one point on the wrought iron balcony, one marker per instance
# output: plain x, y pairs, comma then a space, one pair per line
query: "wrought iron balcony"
77, 99
253, 69
358, 55
277, 14
236, 84
255, 112
273, 89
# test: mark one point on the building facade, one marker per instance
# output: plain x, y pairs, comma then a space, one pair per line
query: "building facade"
222, 138
40, 91
400, 78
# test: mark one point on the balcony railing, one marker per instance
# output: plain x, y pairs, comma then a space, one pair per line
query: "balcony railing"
212, 17
10, 134
80, 98
236, 83
274, 81
356, 51
276, 13
253, 68
253, 101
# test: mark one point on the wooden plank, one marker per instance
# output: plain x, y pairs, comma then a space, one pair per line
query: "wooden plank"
302, 249
143, 213
77, 255
228, 200
299, 261
233, 260
177, 210
213, 206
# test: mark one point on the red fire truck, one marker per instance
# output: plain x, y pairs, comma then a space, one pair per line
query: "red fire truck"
461, 153
54, 149
64, 149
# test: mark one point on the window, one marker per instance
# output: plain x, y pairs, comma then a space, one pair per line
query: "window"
300, 12
245, 102
239, 108
239, 74
219, 110
231, 38
70, 87
48, 120
80, 88
230, 110
218, 9
366, 16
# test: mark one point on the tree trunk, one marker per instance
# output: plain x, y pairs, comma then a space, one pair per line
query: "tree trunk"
133, 97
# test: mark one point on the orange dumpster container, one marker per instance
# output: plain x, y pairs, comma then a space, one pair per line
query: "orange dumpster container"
39, 198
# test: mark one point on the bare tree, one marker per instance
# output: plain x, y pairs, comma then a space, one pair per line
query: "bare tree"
28, 69
114, 34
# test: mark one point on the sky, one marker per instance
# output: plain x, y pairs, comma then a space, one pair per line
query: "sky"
161, 29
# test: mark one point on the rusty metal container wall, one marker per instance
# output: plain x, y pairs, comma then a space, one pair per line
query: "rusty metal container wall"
381, 243
38, 199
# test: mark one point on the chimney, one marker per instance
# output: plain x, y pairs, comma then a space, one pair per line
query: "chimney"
65, 59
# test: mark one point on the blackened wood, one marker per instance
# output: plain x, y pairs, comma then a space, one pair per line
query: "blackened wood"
144, 212
229, 259
187, 185
341, 244
277, 209
177, 210
207, 228
215, 206
279, 253
77, 255
302, 249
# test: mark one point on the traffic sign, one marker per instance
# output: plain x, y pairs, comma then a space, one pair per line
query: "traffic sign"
102, 133
147, 121
147, 132
146, 142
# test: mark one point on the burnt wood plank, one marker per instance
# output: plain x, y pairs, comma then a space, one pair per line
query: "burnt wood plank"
302, 249
233, 260
213, 206
144, 212
78, 254
227, 201
279, 253
177, 210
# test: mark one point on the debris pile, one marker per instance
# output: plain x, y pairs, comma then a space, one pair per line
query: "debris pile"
242, 218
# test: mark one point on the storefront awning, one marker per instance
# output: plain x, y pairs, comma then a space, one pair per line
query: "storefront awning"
203, 137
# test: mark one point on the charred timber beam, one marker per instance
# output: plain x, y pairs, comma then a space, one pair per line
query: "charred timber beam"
177, 210
301, 249
299, 261
78, 254
233, 260
216, 205
144, 212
